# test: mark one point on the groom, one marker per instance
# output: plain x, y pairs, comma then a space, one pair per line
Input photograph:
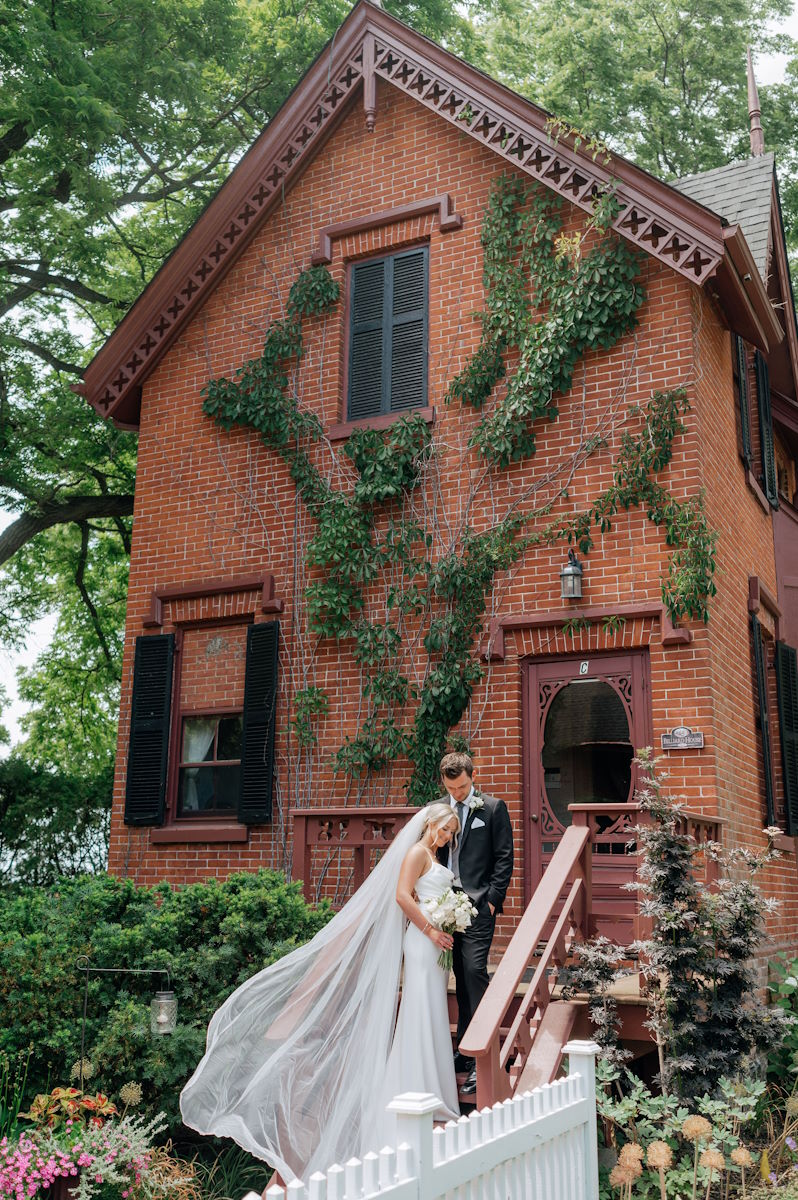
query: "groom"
482, 863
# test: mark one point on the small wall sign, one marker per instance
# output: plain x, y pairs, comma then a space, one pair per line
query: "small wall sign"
682, 737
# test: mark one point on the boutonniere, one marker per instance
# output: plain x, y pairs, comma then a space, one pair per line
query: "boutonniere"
475, 803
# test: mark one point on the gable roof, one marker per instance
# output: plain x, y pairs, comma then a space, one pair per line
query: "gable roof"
370, 44
741, 192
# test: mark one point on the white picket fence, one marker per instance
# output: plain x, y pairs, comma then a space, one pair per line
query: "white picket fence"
538, 1146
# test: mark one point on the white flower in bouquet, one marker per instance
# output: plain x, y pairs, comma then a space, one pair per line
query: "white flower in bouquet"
452, 912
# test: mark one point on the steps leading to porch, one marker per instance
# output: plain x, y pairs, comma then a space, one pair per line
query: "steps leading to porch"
555, 1029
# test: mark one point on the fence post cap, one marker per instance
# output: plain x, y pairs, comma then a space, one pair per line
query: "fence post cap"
578, 1046
415, 1104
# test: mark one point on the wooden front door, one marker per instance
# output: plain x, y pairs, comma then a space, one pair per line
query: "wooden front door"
584, 718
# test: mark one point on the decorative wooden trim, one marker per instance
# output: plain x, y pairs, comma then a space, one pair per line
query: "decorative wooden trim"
448, 219
495, 651
661, 221
185, 831
213, 587
747, 304
676, 231
785, 411
760, 596
337, 433
753, 484
334, 827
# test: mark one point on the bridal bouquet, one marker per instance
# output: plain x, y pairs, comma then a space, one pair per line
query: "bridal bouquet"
452, 912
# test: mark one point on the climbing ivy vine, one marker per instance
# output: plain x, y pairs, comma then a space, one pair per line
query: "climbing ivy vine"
550, 297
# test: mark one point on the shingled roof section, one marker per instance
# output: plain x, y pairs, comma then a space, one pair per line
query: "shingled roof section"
742, 194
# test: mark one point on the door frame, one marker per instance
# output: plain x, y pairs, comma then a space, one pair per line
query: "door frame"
605, 661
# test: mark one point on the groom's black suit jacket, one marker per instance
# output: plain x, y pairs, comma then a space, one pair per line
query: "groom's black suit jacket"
486, 853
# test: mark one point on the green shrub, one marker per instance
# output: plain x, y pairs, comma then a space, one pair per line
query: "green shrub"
212, 936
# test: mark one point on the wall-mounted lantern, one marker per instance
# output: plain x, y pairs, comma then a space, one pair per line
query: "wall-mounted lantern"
571, 578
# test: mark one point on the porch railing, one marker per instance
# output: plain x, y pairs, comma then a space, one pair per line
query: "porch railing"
355, 834
502, 1043
504, 1034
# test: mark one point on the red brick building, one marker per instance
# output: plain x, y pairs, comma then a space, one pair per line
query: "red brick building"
381, 164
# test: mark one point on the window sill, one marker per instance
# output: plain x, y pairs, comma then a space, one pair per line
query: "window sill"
228, 831
337, 433
786, 844
756, 489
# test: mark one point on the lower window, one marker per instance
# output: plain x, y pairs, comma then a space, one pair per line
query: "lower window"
210, 765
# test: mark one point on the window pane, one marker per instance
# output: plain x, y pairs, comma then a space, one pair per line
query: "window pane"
227, 781
206, 790
196, 790
229, 743
587, 750
198, 739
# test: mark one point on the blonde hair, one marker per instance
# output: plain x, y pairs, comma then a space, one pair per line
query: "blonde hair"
439, 813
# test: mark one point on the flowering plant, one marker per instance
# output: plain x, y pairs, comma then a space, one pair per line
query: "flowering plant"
475, 803
117, 1153
452, 912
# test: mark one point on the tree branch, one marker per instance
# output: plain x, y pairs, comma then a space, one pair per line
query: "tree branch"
76, 508
172, 186
84, 595
59, 364
42, 278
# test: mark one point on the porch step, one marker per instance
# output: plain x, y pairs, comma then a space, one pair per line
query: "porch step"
553, 1032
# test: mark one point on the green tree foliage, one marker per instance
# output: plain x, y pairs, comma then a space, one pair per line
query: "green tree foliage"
51, 823
663, 83
118, 121
211, 936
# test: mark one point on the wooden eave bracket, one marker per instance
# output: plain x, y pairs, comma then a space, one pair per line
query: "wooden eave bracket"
213, 587
495, 650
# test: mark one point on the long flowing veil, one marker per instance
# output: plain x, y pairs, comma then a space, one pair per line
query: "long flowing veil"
295, 1057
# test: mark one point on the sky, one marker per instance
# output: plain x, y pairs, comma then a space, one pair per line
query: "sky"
769, 69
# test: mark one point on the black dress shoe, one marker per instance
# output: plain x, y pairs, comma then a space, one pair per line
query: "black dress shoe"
461, 1063
469, 1088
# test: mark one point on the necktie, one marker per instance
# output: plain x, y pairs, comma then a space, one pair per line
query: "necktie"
454, 864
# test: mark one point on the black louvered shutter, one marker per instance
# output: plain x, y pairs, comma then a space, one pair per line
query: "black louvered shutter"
409, 331
741, 368
769, 480
787, 683
148, 754
257, 746
760, 669
367, 335
388, 335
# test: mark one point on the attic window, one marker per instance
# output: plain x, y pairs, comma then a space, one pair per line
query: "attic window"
388, 329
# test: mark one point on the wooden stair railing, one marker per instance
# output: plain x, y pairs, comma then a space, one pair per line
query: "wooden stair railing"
502, 1059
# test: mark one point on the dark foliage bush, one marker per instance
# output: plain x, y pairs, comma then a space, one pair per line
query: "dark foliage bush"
212, 936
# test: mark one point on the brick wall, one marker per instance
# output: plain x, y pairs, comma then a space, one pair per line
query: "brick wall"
211, 504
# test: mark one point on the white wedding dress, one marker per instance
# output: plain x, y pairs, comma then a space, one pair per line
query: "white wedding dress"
421, 1053
300, 1058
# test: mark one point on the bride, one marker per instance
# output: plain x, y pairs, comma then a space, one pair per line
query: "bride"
302, 1058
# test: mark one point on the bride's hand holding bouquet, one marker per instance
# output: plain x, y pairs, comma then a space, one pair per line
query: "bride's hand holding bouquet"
451, 913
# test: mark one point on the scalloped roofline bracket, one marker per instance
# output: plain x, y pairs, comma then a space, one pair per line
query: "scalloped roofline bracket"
370, 46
